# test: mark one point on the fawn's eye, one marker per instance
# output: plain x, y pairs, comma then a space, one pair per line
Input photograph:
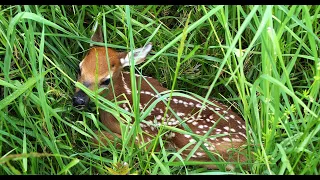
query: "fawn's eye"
106, 82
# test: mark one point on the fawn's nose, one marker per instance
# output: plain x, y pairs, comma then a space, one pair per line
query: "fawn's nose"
80, 99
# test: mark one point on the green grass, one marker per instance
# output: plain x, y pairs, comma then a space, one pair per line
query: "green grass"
261, 60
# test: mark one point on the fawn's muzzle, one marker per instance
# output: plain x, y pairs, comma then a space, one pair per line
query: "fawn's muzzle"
80, 99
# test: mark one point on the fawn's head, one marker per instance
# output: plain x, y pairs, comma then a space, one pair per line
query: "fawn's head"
101, 63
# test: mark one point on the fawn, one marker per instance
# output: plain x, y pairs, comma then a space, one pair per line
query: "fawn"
229, 130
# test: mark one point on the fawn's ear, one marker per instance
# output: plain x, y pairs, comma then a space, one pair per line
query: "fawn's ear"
97, 36
139, 55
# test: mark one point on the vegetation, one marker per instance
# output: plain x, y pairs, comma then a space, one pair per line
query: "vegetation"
261, 60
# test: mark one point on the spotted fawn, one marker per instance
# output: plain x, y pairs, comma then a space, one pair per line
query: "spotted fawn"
228, 130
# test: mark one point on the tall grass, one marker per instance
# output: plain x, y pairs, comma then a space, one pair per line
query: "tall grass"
263, 61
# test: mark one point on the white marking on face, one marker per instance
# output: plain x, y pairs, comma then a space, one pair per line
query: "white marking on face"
80, 65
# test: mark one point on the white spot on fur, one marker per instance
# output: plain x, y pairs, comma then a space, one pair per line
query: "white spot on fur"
236, 140
200, 126
226, 128
180, 113
242, 134
159, 117
217, 109
192, 141
187, 136
226, 139
195, 123
200, 153
191, 104
232, 116
128, 91
232, 130
198, 105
